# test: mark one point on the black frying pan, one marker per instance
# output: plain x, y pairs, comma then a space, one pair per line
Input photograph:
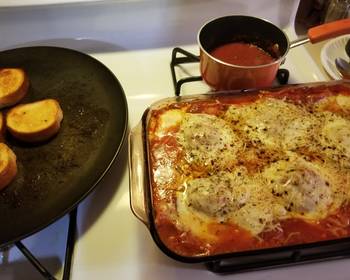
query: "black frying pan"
53, 177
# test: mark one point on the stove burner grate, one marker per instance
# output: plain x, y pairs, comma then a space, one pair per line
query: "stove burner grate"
68, 253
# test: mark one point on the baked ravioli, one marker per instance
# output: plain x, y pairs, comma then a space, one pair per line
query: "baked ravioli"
238, 173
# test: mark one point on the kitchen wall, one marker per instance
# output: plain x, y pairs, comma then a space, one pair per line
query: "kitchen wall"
100, 26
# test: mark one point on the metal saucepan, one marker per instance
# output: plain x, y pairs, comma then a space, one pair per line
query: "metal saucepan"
221, 75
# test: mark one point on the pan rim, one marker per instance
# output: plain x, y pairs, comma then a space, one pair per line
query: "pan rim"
112, 159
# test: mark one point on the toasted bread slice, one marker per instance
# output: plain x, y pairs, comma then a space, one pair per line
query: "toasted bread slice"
35, 122
13, 86
8, 165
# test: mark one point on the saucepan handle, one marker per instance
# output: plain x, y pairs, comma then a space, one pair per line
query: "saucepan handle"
329, 30
323, 32
137, 174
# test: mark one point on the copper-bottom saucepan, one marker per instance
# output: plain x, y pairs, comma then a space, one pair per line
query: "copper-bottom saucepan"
221, 75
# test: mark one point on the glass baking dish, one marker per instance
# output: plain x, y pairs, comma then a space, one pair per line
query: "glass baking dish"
142, 201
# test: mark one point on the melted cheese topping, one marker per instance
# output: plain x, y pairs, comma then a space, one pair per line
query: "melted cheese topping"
339, 104
306, 190
217, 195
335, 138
169, 120
229, 197
266, 121
254, 164
208, 141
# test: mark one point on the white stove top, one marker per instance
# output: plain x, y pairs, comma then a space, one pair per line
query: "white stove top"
111, 242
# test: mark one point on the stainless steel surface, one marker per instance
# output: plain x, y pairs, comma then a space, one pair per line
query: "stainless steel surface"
343, 67
299, 42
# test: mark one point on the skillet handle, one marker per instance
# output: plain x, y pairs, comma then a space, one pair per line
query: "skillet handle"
137, 174
329, 30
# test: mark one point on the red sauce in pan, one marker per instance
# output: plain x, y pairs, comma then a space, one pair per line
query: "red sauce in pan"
242, 54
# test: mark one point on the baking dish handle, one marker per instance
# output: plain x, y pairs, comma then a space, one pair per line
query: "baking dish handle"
137, 176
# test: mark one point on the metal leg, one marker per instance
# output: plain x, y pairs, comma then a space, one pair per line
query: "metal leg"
70, 243
68, 255
34, 261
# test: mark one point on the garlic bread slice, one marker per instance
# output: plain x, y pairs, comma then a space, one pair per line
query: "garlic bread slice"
36, 121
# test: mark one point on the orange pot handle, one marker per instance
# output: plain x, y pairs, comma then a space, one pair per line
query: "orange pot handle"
329, 30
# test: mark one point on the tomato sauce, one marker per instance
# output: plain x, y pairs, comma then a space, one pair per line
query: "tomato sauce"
242, 54
232, 238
